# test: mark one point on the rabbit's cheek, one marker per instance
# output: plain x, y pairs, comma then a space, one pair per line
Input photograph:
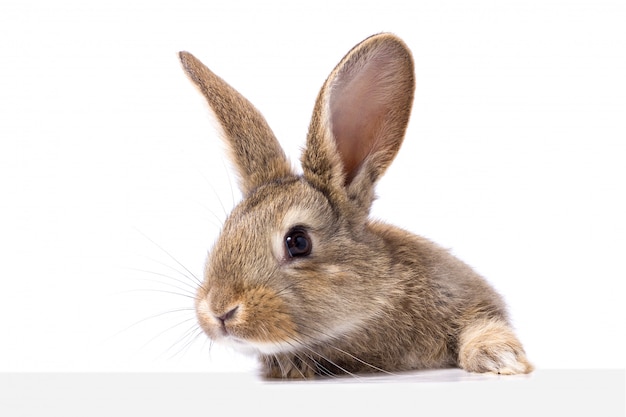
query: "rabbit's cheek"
265, 318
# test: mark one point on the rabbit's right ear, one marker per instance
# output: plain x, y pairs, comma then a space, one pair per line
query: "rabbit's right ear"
256, 153
360, 119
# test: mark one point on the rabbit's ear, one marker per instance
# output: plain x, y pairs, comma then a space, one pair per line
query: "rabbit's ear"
360, 118
255, 151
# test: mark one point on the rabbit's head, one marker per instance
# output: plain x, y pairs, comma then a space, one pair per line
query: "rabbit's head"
294, 264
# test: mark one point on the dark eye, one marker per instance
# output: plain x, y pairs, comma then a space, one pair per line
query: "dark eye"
298, 242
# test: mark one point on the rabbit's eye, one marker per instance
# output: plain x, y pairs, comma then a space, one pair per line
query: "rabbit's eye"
298, 242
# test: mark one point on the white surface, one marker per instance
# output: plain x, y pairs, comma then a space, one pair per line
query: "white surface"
432, 393
514, 159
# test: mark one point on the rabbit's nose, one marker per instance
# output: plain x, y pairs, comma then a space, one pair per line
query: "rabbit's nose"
228, 315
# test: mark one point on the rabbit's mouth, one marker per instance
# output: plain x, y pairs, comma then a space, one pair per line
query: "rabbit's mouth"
254, 347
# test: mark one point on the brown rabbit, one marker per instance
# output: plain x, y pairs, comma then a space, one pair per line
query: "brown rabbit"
302, 277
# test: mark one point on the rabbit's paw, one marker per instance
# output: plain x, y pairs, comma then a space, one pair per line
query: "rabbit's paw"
491, 346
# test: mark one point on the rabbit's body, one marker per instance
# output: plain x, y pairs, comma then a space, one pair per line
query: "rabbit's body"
302, 277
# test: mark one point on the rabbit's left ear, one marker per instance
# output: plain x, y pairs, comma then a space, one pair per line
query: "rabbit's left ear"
360, 118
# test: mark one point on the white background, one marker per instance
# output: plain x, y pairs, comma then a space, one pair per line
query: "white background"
514, 158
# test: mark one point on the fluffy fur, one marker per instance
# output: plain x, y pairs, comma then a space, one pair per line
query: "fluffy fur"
369, 296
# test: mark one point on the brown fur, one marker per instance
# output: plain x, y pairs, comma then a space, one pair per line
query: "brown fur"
370, 296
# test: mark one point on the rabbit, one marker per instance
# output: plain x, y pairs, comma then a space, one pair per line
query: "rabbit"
302, 277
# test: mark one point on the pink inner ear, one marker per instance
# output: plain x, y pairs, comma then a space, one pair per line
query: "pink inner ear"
355, 120
360, 100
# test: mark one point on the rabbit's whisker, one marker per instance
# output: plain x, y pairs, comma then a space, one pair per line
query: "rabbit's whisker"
230, 183
311, 363
332, 346
187, 339
190, 277
180, 294
362, 361
165, 331
171, 257
306, 346
154, 316
218, 198
190, 290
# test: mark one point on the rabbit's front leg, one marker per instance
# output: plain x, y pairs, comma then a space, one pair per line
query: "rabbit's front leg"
491, 346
